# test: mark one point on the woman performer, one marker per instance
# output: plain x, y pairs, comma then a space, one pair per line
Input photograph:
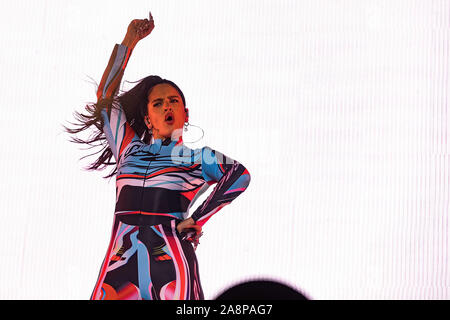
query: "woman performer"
151, 254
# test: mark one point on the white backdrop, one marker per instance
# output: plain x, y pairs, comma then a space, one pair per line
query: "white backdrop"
337, 108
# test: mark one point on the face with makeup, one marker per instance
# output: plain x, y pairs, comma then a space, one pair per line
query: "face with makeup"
165, 111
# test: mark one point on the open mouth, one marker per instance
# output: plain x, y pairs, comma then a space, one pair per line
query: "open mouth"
169, 118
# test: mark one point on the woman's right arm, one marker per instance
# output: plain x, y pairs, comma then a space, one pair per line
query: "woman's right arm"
114, 71
116, 128
137, 30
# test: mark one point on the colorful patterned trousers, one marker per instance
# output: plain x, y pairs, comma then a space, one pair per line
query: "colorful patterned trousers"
148, 262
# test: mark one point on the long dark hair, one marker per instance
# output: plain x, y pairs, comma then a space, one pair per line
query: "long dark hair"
134, 104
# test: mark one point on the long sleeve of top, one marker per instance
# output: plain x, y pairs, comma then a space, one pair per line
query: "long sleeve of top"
117, 130
232, 179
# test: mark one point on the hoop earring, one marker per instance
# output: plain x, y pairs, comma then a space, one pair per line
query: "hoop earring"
186, 125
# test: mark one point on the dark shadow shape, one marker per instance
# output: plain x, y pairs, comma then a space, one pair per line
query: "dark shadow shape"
261, 290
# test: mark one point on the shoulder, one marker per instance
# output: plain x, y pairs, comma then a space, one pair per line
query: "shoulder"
203, 155
212, 156
208, 155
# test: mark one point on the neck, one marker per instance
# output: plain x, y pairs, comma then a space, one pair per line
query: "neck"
162, 138
174, 136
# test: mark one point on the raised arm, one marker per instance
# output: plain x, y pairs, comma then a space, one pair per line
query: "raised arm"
137, 30
117, 130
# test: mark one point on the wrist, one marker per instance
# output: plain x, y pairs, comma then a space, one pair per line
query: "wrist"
129, 42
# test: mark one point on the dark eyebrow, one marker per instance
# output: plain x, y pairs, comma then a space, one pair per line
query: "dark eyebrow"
167, 97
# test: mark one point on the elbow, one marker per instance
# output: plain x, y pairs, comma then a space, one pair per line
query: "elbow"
246, 178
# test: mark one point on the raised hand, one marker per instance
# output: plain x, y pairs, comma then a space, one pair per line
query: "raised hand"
137, 30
